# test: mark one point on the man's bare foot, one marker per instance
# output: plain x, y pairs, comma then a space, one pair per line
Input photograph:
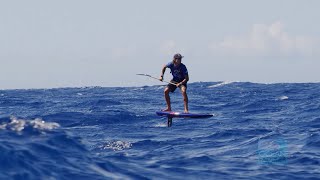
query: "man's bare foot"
167, 109
186, 111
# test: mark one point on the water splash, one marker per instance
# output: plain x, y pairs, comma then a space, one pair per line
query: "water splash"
19, 125
117, 145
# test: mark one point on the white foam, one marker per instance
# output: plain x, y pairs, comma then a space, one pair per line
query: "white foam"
40, 124
16, 124
117, 145
220, 84
19, 125
138, 89
161, 125
283, 97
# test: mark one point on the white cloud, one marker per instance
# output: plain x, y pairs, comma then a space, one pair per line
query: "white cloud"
168, 47
267, 40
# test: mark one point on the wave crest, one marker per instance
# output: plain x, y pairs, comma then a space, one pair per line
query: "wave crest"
18, 125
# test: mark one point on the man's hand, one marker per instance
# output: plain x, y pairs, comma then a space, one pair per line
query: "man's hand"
161, 78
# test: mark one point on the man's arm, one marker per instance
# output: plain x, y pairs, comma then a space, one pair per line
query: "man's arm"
162, 72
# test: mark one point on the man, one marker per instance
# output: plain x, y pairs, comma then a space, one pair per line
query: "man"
180, 78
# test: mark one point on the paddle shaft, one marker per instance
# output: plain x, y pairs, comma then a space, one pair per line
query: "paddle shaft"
157, 78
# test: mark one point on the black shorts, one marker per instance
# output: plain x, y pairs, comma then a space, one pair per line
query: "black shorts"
172, 87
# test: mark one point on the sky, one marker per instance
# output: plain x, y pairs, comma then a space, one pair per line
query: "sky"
77, 43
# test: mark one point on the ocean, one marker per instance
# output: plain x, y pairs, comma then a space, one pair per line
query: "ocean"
258, 131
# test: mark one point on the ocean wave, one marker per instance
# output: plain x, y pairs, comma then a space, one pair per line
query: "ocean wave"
18, 125
259, 131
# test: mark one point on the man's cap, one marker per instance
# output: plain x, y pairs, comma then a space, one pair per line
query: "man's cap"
177, 56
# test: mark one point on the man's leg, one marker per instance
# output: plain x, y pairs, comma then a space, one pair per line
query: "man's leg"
185, 98
167, 97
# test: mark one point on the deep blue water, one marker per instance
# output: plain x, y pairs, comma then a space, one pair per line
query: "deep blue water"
258, 131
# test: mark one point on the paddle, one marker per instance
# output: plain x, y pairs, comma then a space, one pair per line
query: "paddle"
156, 78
